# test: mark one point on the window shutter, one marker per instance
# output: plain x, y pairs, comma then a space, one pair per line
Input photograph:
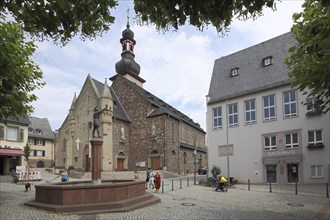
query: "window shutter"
35, 141
21, 134
2, 132
43, 142
35, 153
43, 153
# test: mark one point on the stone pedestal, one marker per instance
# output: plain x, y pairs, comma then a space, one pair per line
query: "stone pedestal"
96, 161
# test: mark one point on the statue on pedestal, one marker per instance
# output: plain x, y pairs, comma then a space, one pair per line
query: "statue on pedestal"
96, 120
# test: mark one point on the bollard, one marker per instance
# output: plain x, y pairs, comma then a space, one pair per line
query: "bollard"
172, 185
162, 186
249, 184
296, 186
270, 186
180, 183
187, 181
327, 189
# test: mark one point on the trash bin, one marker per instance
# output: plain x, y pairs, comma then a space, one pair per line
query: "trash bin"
231, 180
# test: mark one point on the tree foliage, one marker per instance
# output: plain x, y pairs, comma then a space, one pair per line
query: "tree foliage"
61, 20
19, 75
215, 170
309, 60
200, 14
27, 152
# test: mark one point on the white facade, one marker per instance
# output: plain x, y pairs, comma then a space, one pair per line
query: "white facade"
292, 145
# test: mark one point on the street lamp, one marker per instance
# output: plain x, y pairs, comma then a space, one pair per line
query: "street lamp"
195, 155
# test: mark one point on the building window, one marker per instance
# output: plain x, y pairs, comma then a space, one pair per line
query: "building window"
233, 115
269, 108
317, 171
315, 137
31, 141
15, 134
39, 132
38, 153
234, 72
30, 130
291, 141
267, 61
290, 104
2, 132
217, 118
250, 112
184, 158
270, 143
39, 142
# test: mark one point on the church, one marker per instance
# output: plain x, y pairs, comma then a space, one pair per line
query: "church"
138, 129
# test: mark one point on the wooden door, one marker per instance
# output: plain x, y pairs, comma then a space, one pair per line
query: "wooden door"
120, 164
155, 163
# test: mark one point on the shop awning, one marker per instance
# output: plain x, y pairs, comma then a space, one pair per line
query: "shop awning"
11, 152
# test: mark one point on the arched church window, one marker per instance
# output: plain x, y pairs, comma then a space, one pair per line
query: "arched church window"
173, 152
121, 154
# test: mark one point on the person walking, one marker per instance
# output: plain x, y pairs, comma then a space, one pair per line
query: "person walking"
151, 179
148, 177
157, 181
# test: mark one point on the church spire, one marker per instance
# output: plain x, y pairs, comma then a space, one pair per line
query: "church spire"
127, 64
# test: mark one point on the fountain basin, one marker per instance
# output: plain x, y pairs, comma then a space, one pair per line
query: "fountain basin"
86, 197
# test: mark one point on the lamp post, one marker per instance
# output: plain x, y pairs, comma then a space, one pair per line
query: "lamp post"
195, 155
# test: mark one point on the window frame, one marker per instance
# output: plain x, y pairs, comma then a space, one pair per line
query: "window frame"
2, 132
314, 137
291, 145
290, 114
232, 115
218, 118
270, 118
234, 72
316, 171
250, 111
270, 58
270, 147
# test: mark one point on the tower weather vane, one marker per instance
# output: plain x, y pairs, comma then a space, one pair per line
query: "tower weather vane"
128, 14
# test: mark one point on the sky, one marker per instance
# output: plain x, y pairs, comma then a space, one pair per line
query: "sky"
177, 65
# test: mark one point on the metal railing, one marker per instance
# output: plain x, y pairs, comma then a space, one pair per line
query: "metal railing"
322, 189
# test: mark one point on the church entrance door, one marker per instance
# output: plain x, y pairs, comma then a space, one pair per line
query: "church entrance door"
155, 163
120, 164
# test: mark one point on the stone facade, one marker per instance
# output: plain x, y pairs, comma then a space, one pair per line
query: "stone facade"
138, 129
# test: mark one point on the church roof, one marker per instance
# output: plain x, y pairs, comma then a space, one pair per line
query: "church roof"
118, 110
162, 107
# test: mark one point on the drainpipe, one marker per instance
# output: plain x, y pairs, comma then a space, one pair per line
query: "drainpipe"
165, 141
227, 134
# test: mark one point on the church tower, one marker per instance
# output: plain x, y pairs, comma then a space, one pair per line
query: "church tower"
127, 66
106, 101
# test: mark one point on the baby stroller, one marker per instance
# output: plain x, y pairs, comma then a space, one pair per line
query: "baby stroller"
221, 184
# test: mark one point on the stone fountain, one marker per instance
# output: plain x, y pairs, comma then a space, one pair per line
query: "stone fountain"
93, 196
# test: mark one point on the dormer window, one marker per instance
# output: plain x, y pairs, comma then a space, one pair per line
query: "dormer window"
30, 130
234, 72
267, 61
39, 132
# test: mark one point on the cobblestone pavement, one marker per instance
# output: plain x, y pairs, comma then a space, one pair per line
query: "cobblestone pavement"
193, 202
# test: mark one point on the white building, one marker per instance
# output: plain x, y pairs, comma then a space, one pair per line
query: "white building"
257, 126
